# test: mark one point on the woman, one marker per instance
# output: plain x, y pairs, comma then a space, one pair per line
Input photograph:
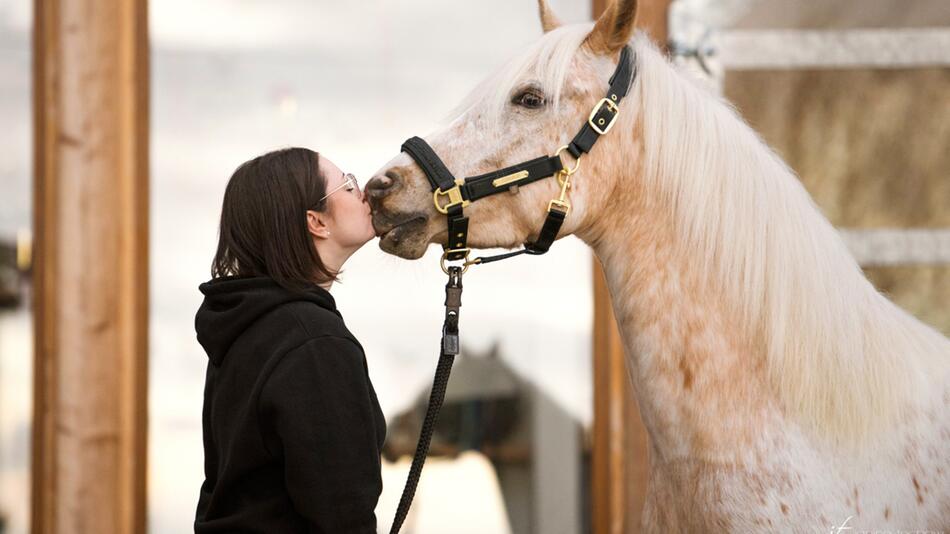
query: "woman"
292, 427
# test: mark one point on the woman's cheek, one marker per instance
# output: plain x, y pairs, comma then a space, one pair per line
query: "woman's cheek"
366, 218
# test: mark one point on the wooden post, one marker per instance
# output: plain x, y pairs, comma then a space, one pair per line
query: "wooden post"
90, 81
616, 422
620, 470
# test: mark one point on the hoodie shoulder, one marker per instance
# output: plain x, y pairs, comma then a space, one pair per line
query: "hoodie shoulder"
312, 319
259, 308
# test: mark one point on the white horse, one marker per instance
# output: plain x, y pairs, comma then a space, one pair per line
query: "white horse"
780, 390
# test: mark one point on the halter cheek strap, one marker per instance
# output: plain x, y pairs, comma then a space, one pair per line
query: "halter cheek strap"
452, 195
604, 115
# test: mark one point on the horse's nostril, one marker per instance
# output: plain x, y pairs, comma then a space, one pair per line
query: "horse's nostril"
380, 186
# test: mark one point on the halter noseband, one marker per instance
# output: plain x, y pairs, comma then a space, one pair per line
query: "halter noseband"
451, 195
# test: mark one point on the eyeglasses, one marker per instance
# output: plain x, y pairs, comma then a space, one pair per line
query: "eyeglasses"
349, 183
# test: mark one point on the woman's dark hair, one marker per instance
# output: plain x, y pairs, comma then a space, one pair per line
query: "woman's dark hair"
264, 220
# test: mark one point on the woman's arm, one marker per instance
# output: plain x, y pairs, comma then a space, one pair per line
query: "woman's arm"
318, 403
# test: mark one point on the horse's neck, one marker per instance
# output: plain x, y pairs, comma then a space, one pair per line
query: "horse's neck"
702, 389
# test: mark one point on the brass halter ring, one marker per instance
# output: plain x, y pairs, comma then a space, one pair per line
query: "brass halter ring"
567, 171
466, 263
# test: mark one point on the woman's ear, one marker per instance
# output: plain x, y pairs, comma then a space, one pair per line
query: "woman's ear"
317, 224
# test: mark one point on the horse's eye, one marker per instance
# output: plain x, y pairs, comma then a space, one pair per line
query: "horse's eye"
529, 98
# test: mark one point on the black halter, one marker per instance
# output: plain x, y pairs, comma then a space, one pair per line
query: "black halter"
452, 195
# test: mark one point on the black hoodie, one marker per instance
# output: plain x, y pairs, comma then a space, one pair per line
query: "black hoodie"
292, 427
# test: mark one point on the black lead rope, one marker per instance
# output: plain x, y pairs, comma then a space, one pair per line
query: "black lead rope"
447, 352
452, 195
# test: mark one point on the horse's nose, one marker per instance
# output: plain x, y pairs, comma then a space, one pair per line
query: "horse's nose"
381, 185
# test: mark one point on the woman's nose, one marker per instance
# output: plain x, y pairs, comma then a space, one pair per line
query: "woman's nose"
382, 185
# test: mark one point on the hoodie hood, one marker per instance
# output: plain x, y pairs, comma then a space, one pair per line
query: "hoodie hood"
232, 304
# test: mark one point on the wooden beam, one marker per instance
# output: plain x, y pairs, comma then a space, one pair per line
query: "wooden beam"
90, 80
610, 498
620, 470
652, 17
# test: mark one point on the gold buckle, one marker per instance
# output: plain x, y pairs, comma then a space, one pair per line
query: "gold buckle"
600, 128
455, 197
466, 263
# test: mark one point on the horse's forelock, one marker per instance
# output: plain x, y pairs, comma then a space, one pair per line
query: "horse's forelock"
546, 61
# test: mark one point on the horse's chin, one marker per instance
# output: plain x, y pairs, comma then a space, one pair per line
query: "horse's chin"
405, 250
406, 240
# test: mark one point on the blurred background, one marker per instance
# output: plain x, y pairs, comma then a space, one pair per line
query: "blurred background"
867, 130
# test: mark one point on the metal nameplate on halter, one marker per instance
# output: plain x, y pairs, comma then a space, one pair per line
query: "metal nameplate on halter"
454, 194
513, 177
604, 128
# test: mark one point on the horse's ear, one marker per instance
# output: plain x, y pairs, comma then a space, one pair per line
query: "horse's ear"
549, 20
614, 27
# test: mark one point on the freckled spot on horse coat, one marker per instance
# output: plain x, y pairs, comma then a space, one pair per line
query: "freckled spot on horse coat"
887, 512
784, 508
687, 376
920, 496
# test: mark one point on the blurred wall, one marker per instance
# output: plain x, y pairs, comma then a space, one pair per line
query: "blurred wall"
870, 145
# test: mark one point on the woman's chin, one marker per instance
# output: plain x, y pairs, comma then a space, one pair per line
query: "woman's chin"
370, 233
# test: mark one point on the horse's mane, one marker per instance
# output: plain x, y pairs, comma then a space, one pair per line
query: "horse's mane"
843, 359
